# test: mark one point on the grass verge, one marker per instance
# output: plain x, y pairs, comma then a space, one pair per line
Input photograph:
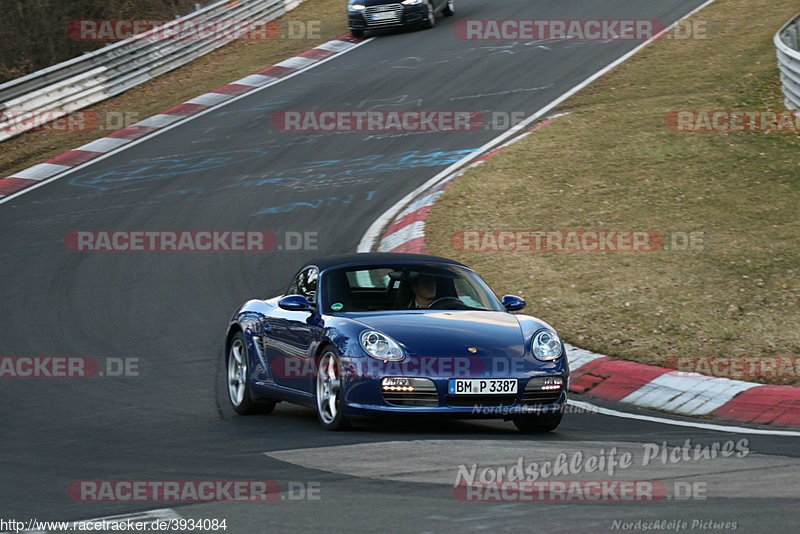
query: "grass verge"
225, 65
613, 165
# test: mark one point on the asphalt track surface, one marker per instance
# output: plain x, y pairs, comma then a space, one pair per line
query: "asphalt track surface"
229, 170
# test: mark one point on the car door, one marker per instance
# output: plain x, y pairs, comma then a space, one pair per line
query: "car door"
292, 335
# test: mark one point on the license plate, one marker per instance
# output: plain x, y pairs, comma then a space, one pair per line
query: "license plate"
385, 15
480, 386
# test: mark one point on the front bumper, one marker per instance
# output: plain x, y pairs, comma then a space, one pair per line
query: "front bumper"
371, 18
365, 397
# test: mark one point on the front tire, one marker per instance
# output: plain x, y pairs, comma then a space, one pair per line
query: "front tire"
449, 9
430, 19
238, 380
537, 424
329, 392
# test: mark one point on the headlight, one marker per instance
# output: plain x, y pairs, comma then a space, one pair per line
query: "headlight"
411, 2
546, 346
381, 346
357, 7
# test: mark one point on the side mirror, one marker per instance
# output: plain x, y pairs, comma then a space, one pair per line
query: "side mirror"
513, 303
295, 303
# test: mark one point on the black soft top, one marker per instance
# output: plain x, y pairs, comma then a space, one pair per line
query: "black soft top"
365, 258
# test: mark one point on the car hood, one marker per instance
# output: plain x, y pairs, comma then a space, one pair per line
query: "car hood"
451, 333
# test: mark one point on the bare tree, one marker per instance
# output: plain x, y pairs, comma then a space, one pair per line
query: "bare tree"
33, 33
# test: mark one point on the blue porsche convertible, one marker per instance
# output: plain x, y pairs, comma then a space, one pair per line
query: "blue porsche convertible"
376, 334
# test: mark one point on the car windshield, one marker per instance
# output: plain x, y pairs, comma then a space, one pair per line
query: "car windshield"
405, 286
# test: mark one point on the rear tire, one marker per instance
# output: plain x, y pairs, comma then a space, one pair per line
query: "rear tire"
535, 424
357, 33
238, 380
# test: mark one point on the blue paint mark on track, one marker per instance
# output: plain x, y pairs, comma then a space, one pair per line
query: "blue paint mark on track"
329, 170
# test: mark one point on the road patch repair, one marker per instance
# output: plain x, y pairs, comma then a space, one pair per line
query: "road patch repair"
561, 470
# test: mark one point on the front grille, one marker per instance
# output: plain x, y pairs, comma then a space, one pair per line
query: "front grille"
423, 394
481, 400
543, 390
383, 15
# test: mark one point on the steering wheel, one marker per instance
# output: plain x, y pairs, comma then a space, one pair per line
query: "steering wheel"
450, 303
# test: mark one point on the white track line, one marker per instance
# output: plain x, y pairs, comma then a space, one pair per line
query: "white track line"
675, 422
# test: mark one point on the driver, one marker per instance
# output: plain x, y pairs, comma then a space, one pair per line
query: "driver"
424, 289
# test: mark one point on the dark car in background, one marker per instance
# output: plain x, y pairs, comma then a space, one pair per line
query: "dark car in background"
365, 15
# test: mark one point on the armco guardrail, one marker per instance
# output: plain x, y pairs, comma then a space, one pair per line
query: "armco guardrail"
787, 41
93, 77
